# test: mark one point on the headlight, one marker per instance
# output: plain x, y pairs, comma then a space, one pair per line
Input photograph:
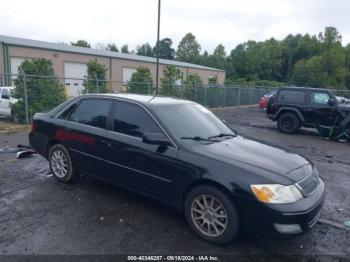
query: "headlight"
276, 194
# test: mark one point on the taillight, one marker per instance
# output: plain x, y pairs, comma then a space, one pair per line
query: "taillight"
33, 126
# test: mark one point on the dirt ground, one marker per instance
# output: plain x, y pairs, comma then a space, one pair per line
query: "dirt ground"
41, 216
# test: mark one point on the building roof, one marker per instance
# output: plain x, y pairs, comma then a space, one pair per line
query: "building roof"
15, 41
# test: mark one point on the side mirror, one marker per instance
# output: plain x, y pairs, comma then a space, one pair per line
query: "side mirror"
331, 102
156, 139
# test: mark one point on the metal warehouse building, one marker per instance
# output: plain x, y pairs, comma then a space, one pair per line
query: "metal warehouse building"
69, 62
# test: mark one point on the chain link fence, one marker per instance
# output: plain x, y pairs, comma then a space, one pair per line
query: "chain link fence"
212, 96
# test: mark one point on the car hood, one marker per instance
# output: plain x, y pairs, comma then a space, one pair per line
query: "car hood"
259, 155
345, 107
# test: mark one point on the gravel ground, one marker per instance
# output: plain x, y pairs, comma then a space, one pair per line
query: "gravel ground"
41, 216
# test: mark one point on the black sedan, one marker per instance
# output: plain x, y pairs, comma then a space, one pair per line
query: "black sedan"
181, 154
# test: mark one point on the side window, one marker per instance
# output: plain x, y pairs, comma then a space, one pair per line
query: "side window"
133, 120
319, 98
66, 113
5, 94
92, 112
292, 97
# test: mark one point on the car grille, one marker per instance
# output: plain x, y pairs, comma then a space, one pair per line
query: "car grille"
309, 184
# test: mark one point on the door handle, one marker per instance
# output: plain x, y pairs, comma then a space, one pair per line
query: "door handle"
115, 145
104, 142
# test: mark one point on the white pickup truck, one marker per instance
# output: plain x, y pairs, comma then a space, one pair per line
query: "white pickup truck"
6, 100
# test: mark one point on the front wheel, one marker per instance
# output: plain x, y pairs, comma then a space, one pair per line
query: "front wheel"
212, 215
61, 163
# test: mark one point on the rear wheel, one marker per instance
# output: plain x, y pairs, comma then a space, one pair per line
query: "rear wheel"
61, 163
288, 123
212, 215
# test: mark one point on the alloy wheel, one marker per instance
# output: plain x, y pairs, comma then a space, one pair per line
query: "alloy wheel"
59, 163
209, 215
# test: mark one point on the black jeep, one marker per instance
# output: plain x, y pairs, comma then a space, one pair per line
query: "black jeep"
293, 107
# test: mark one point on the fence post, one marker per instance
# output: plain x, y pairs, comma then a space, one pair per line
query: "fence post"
25, 95
251, 96
97, 86
225, 94
239, 96
182, 89
194, 93
206, 95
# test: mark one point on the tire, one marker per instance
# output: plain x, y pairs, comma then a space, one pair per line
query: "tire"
288, 123
61, 163
227, 228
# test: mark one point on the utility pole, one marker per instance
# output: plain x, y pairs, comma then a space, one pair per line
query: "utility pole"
157, 70
25, 94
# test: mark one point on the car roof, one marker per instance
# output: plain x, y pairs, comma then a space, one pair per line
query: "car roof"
143, 99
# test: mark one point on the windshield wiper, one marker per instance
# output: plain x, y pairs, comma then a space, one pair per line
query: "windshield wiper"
222, 135
197, 138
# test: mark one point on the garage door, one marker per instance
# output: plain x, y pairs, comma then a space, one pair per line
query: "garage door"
127, 72
74, 74
15, 63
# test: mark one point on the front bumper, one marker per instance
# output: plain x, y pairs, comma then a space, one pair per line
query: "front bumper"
262, 218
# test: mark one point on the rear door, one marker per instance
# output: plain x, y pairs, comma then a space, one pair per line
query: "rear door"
147, 168
319, 110
84, 135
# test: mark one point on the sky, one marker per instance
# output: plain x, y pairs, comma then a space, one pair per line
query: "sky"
134, 22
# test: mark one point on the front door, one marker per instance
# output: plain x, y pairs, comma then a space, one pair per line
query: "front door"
320, 112
147, 168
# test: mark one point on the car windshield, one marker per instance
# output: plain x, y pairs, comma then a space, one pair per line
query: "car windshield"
191, 120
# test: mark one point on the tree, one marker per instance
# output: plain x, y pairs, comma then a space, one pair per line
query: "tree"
220, 52
165, 49
330, 37
188, 49
289, 47
270, 67
145, 50
205, 59
141, 81
170, 81
347, 55
213, 80
216, 60
125, 49
81, 43
246, 60
309, 73
95, 81
331, 40
192, 82
44, 93
112, 47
